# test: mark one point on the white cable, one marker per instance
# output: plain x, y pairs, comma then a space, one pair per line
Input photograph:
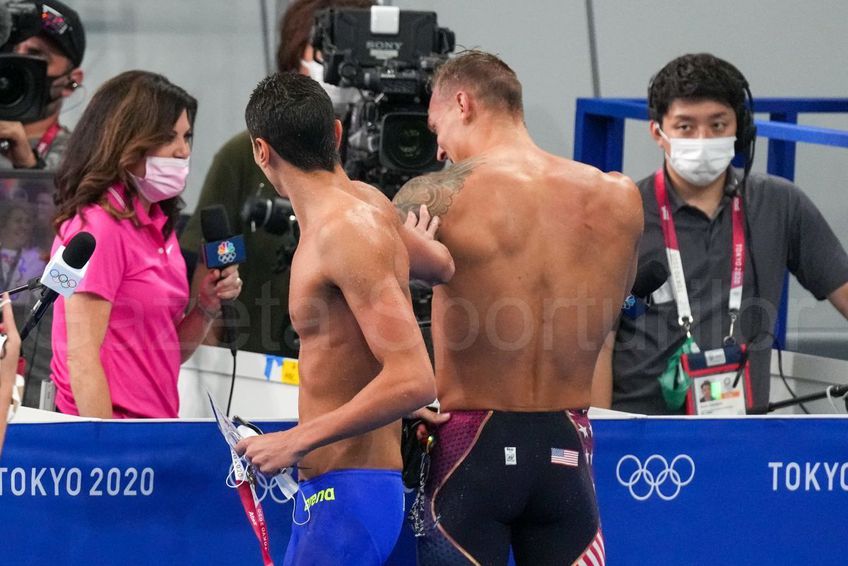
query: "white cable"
830, 398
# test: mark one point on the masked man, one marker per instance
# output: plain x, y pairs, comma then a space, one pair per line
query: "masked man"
727, 238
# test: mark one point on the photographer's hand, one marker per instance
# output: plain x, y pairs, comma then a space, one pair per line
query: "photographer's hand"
19, 152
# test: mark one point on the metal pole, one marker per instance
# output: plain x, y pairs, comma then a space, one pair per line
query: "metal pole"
593, 49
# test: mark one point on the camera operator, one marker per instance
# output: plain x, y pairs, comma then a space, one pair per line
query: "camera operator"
40, 143
234, 180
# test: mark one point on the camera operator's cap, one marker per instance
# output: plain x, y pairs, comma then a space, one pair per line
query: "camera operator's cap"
62, 24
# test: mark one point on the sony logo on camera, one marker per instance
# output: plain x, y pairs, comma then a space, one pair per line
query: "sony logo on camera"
61, 277
383, 49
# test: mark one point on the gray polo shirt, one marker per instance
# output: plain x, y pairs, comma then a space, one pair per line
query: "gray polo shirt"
787, 232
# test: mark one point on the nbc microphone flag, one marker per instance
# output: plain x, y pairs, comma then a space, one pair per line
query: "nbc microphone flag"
564, 457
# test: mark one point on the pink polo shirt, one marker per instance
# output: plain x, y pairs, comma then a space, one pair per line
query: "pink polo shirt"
143, 275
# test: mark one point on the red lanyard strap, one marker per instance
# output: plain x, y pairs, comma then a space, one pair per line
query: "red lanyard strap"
253, 510
46, 142
675, 263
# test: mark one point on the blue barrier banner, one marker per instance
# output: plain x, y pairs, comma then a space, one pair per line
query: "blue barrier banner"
723, 491
671, 491
126, 493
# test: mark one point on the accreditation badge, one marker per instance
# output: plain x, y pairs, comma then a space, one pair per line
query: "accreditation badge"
721, 381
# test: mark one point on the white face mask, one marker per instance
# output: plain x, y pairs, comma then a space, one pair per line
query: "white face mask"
164, 178
700, 160
342, 97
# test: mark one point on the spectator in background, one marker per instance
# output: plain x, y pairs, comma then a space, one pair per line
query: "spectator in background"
118, 341
699, 119
233, 178
20, 259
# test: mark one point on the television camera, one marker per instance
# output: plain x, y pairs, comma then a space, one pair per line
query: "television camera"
23, 78
389, 55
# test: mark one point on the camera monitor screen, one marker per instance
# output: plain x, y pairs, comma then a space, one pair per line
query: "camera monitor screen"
350, 29
26, 229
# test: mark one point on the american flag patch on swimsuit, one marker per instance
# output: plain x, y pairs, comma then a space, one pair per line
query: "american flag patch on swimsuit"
564, 457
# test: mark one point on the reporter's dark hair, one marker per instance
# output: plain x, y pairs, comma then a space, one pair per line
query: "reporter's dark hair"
697, 76
295, 116
128, 116
296, 26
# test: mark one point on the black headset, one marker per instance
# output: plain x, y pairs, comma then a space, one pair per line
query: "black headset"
746, 131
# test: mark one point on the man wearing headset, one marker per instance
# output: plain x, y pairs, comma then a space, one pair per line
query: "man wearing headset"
40, 144
730, 236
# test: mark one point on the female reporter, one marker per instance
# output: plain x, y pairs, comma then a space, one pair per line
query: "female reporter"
119, 340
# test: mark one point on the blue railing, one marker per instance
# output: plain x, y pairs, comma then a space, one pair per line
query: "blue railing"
599, 141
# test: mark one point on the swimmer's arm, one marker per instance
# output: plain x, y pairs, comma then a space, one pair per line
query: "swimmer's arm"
429, 259
602, 379
425, 201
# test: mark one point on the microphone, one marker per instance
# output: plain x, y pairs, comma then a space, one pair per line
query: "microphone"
221, 249
30, 285
61, 276
649, 278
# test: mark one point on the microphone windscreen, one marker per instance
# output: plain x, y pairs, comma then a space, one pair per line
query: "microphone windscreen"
649, 278
214, 223
79, 250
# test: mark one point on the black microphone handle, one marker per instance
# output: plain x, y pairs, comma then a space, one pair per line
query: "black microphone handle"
30, 285
38, 311
228, 320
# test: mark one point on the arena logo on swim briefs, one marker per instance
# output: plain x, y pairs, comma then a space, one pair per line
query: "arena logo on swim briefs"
328, 494
655, 475
809, 476
96, 482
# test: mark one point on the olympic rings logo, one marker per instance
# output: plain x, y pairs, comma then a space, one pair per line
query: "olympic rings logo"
227, 257
62, 279
656, 474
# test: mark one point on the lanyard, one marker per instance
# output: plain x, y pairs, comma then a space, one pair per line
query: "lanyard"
252, 507
253, 510
45, 143
675, 264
